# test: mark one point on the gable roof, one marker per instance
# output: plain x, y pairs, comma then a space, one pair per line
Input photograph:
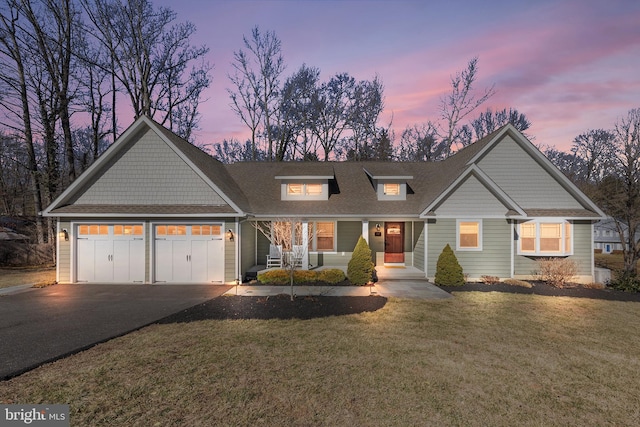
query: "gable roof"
254, 188
211, 171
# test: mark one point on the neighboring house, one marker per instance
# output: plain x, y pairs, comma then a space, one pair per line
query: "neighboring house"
156, 209
606, 236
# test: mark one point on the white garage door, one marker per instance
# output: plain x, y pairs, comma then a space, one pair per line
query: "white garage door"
110, 253
189, 253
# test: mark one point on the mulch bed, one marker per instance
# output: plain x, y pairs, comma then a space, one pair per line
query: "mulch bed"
309, 307
541, 288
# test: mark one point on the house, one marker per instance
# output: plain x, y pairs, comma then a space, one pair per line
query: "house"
606, 237
156, 209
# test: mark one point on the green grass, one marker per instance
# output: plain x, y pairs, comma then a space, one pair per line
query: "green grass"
477, 359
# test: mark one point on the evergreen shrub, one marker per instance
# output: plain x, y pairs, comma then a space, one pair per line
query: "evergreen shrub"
360, 268
448, 269
331, 276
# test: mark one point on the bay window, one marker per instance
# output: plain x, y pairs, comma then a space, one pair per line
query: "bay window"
545, 238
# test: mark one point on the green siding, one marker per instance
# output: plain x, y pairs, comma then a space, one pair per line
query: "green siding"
471, 193
494, 259
148, 171
230, 260
534, 188
248, 246
582, 253
418, 248
262, 248
348, 234
64, 254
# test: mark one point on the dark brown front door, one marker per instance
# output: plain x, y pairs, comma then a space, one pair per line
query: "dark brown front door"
394, 242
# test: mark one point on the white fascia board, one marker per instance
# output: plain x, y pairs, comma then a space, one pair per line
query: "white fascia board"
309, 177
146, 215
111, 151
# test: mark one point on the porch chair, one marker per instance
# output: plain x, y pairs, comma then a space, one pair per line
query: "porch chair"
274, 258
297, 254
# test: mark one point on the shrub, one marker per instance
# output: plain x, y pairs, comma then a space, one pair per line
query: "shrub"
331, 276
489, 280
557, 271
626, 281
274, 277
305, 276
448, 269
516, 282
360, 268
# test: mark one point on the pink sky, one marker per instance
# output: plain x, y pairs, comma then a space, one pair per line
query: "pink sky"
569, 66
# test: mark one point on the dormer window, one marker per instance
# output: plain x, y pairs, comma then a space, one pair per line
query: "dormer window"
304, 188
391, 189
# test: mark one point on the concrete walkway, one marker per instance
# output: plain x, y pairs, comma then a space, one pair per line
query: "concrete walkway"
406, 288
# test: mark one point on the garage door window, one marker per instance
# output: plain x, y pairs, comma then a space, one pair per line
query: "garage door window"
171, 230
93, 230
127, 230
206, 230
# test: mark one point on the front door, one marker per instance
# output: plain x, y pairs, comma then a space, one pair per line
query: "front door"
394, 242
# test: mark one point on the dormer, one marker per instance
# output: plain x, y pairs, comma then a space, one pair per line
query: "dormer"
304, 187
389, 186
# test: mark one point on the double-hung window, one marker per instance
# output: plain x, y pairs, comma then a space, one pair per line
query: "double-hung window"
545, 238
325, 236
469, 235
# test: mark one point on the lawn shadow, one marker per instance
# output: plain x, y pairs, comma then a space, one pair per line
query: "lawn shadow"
276, 307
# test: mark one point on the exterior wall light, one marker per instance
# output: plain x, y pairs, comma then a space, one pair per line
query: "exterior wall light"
230, 235
64, 234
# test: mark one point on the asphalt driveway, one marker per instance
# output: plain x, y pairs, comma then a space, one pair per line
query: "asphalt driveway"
42, 325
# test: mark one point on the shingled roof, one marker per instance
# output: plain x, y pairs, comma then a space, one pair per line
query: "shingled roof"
255, 188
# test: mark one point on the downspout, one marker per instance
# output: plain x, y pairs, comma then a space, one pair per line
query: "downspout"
238, 247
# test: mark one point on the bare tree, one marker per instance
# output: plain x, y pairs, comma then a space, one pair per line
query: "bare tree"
53, 25
458, 104
419, 143
619, 192
287, 233
256, 79
367, 105
151, 57
332, 111
16, 99
489, 121
596, 150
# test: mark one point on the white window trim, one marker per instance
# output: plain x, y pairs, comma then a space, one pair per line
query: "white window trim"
479, 248
537, 251
382, 196
324, 195
314, 243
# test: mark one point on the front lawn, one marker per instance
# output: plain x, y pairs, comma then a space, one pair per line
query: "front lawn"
26, 276
613, 262
477, 359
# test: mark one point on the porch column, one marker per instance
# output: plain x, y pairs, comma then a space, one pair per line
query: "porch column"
365, 230
305, 245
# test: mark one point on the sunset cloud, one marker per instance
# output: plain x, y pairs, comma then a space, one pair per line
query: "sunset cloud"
568, 65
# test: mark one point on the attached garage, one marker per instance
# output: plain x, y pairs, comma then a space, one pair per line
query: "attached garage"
110, 253
189, 253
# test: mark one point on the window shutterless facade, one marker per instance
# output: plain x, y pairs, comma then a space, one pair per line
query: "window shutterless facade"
469, 235
545, 238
